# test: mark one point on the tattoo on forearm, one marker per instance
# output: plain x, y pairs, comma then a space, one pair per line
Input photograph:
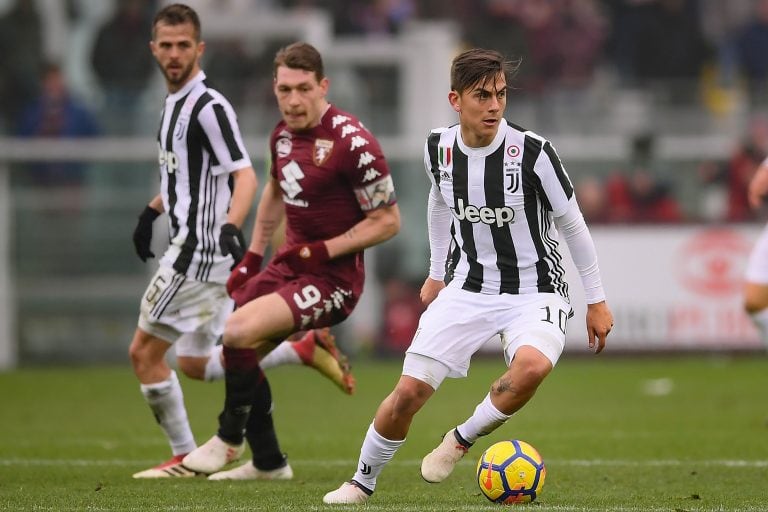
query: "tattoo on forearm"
502, 385
350, 233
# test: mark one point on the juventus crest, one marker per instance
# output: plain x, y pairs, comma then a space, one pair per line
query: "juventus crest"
512, 174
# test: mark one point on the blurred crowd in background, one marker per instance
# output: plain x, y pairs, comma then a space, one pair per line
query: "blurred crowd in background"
702, 63
708, 54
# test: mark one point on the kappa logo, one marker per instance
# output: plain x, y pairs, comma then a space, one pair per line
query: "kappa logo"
484, 214
348, 129
338, 119
370, 175
358, 142
365, 159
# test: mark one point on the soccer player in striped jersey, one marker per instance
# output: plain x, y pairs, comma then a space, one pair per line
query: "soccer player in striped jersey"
756, 278
498, 199
207, 188
330, 181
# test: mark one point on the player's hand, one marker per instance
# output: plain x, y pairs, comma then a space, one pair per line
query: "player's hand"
599, 324
305, 257
430, 289
248, 267
232, 242
142, 235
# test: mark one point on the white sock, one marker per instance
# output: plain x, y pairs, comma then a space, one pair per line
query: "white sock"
483, 421
167, 403
760, 319
282, 354
214, 370
374, 455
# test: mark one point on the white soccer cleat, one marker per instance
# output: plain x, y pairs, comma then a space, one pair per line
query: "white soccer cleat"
439, 463
250, 472
172, 468
213, 455
348, 493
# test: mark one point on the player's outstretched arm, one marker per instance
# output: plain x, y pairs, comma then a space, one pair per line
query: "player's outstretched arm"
378, 226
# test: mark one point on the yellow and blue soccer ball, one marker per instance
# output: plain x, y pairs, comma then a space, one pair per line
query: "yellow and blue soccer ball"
511, 472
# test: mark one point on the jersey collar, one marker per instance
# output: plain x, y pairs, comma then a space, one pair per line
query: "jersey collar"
485, 150
199, 77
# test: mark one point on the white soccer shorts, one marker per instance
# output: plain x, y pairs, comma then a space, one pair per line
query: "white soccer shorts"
458, 323
188, 313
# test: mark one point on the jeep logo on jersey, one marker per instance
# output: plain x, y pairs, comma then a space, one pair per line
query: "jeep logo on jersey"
499, 215
167, 159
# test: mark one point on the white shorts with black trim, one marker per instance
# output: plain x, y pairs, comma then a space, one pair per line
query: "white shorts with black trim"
458, 323
188, 313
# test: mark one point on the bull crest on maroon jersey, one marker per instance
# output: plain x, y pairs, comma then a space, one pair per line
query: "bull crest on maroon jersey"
322, 151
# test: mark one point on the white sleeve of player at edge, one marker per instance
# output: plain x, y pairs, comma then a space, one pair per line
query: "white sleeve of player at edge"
583, 252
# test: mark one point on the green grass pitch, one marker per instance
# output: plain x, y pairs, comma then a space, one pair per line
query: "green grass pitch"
616, 433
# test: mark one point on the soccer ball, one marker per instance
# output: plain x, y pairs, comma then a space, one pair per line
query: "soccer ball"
511, 472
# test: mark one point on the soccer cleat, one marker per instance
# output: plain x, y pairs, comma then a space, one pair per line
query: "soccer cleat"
172, 468
438, 464
328, 360
249, 472
349, 493
213, 455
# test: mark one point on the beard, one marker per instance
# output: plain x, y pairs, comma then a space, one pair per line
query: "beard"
177, 76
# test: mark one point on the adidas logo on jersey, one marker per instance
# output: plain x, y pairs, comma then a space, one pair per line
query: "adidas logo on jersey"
499, 215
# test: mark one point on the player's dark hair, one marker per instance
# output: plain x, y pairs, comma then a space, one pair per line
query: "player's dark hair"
300, 55
477, 66
177, 14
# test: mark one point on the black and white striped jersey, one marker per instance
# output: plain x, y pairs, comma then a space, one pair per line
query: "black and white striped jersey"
199, 145
499, 203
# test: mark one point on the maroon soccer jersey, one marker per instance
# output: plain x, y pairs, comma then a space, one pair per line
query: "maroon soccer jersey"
329, 177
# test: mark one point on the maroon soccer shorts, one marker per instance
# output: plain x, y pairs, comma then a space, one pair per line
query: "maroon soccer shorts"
315, 301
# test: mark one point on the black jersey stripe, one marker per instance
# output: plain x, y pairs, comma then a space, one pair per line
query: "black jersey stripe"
172, 198
195, 161
506, 255
209, 223
227, 132
474, 279
531, 187
454, 255
559, 171
434, 166
555, 259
